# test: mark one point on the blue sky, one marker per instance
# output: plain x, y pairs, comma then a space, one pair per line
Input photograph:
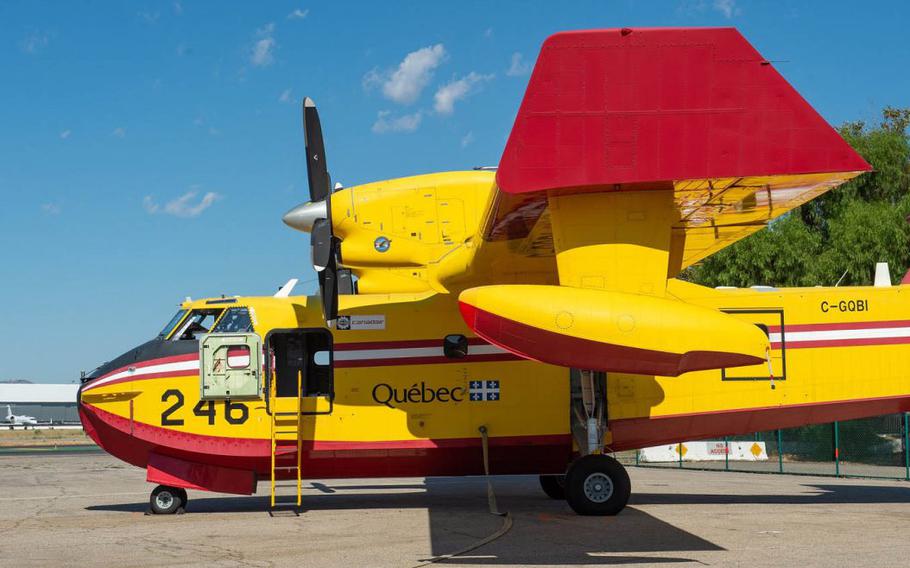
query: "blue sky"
145, 147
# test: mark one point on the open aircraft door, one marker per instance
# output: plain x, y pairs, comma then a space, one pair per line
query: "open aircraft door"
770, 321
301, 357
230, 366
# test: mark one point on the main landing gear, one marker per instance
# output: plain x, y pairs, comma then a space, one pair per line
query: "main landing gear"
167, 500
595, 484
554, 486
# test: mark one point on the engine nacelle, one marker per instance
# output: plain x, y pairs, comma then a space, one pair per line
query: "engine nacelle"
393, 233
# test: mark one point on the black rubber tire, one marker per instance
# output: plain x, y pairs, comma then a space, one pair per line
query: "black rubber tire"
554, 486
166, 500
586, 470
184, 498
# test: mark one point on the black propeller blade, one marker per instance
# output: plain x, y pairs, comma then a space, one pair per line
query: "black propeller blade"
324, 247
316, 168
322, 244
328, 287
346, 281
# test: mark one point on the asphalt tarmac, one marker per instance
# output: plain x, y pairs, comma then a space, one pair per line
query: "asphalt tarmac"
88, 510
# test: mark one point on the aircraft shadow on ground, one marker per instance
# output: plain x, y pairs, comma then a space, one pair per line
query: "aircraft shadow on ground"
824, 494
545, 532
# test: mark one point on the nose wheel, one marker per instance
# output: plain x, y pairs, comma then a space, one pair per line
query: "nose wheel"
166, 500
597, 485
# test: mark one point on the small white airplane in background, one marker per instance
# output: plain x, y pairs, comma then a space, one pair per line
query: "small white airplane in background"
21, 419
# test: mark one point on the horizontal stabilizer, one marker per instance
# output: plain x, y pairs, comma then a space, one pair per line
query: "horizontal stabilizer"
610, 331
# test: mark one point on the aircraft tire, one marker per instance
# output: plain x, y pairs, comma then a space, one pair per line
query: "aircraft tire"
554, 486
166, 500
183, 496
597, 485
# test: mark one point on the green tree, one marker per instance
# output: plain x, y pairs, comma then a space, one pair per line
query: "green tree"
777, 255
861, 234
841, 233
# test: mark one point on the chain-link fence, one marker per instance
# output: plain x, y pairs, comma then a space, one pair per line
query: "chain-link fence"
877, 447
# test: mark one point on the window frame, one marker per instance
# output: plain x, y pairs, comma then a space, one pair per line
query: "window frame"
181, 328
166, 333
249, 314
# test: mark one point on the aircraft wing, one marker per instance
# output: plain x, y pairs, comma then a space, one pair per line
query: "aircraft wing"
696, 110
636, 153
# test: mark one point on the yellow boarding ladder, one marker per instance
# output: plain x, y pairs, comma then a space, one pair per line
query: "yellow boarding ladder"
286, 426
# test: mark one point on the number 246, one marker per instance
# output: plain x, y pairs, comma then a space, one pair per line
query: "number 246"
234, 412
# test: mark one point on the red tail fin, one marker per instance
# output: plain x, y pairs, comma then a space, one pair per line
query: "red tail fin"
636, 106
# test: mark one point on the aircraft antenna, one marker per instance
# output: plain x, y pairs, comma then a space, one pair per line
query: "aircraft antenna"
839, 280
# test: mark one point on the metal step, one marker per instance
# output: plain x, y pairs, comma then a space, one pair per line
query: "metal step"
286, 457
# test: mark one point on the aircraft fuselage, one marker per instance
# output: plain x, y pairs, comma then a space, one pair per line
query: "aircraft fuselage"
403, 407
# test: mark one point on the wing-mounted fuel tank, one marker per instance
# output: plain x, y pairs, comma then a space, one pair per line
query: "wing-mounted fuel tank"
612, 331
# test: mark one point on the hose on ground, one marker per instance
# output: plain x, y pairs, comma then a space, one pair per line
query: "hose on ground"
491, 503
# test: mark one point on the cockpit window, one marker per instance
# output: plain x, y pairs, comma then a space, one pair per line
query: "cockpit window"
235, 320
198, 323
172, 324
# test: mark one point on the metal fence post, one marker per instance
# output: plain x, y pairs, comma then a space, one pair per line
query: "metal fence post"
907, 446
680, 451
780, 452
836, 450
726, 453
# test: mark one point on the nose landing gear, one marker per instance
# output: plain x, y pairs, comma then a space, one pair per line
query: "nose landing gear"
166, 500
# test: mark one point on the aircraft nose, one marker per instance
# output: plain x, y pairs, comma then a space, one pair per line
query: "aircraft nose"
303, 216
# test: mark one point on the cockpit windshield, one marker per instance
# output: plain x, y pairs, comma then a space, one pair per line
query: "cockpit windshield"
172, 324
198, 323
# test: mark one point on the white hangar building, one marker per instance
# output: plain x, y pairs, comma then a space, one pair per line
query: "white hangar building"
55, 403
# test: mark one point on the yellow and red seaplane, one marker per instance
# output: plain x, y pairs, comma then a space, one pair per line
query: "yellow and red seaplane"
533, 313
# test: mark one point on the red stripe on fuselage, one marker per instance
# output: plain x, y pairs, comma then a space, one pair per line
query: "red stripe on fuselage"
150, 362
404, 344
342, 347
633, 433
843, 326
326, 459
858, 342
431, 360
791, 343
